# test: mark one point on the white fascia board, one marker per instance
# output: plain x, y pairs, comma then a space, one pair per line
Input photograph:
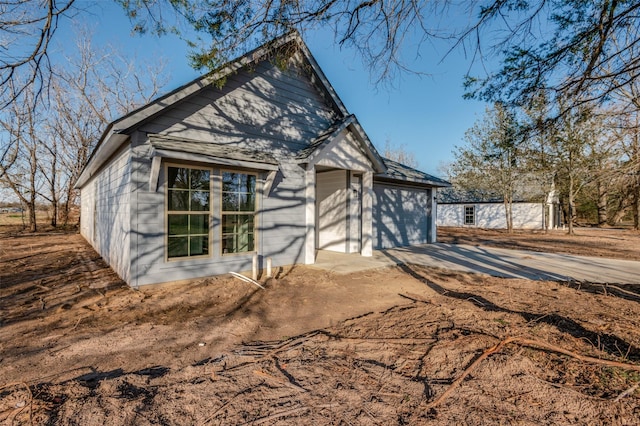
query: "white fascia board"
110, 144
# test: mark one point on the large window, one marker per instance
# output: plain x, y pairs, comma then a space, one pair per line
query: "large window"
469, 215
238, 212
188, 211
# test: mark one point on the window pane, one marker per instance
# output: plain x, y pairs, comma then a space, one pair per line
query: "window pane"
237, 223
200, 179
230, 202
199, 224
227, 245
178, 200
246, 243
199, 245
178, 224
178, 247
247, 202
250, 184
230, 181
239, 195
199, 201
178, 177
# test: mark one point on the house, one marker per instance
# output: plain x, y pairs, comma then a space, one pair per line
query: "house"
268, 165
481, 210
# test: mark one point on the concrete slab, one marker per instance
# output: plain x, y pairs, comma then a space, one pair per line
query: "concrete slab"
346, 263
491, 261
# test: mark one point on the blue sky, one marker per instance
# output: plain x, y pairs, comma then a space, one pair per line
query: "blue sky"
425, 114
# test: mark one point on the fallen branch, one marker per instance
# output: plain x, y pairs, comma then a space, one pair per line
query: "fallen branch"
628, 392
284, 382
268, 419
536, 344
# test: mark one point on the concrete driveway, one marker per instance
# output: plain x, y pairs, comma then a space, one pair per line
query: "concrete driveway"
491, 261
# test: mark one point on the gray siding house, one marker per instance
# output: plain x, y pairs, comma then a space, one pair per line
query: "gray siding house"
203, 179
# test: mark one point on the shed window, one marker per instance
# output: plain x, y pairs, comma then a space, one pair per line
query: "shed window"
238, 212
469, 215
188, 212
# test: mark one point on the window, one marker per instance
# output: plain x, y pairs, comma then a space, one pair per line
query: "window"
469, 215
238, 212
188, 211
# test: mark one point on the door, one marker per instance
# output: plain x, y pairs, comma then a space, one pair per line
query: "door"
355, 214
331, 210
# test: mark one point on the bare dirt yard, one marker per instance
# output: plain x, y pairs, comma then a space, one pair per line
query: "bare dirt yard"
400, 345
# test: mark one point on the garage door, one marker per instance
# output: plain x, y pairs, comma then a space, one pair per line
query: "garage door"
400, 216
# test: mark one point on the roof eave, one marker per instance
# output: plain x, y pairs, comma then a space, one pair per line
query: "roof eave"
422, 182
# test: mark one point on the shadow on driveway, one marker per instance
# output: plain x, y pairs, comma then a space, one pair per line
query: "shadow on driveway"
516, 263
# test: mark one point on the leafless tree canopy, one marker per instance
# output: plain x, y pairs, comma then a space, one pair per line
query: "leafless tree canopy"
26, 30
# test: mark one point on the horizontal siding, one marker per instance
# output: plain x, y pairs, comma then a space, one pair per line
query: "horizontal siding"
106, 214
493, 215
280, 233
267, 109
400, 216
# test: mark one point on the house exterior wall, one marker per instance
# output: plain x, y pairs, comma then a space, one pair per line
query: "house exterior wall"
266, 109
105, 212
400, 215
492, 215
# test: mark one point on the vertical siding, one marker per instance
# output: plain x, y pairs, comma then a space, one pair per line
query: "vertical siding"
331, 205
105, 214
399, 216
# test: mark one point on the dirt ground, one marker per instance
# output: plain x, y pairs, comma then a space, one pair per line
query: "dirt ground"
401, 345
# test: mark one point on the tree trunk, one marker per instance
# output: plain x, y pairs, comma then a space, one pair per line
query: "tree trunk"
602, 204
635, 205
571, 206
508, 210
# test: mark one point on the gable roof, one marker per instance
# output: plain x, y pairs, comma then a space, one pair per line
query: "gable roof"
476, 196
117, 132
310, 153
401, 172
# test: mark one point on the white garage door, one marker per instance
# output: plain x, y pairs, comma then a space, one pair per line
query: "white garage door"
400, 216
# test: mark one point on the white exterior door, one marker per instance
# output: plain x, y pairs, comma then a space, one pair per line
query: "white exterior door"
331, 210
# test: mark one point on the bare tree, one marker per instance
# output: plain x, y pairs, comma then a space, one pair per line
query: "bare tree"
400, 154
21, 174
27, 28
97, 85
